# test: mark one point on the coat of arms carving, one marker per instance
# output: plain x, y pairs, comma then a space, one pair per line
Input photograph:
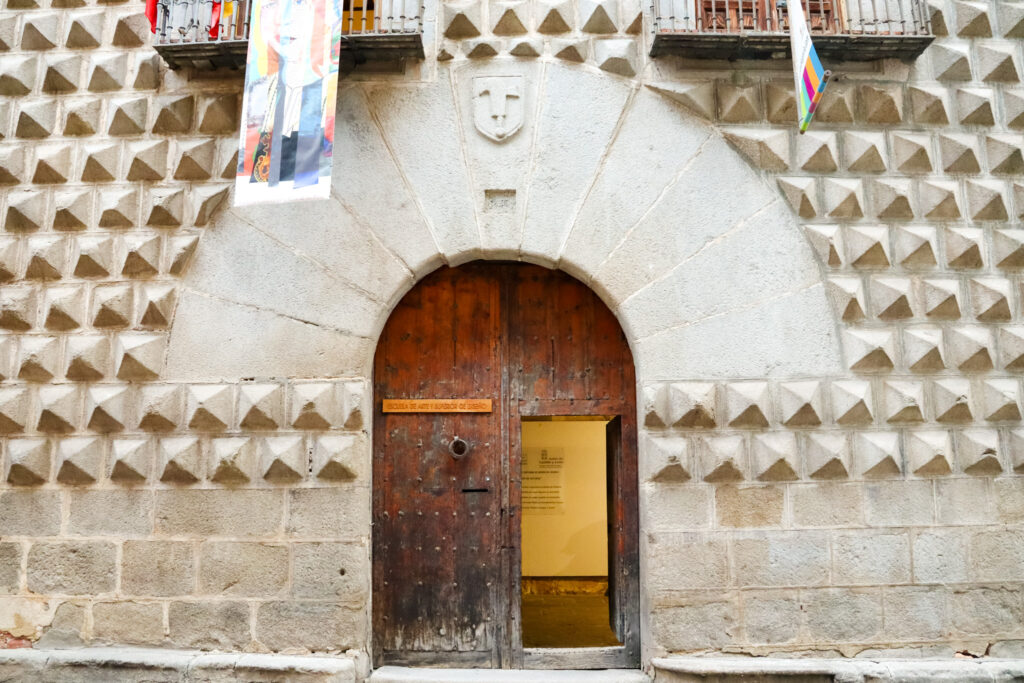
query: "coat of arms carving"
498, 106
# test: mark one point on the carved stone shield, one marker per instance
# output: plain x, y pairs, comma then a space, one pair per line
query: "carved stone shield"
498, 106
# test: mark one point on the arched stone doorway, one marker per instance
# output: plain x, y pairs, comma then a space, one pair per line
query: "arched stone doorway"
467, 511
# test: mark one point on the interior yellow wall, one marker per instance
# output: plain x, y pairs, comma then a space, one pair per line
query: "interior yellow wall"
574, 540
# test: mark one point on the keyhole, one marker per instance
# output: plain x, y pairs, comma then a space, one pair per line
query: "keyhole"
458, 448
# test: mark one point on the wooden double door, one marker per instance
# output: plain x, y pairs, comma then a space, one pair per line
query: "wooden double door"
447, 494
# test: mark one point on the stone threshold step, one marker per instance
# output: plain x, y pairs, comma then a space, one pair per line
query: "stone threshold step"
400, 674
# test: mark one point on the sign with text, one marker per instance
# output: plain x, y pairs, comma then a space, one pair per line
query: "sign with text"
544, 481
437, 405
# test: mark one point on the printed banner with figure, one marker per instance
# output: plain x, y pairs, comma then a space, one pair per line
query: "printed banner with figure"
291, 83
810, 78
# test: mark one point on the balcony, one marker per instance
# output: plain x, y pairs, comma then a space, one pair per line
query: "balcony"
843, 30
371, 30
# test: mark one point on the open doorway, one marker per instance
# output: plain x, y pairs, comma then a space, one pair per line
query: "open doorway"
564, 533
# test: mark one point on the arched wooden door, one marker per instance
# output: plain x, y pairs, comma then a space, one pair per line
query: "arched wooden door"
446, 563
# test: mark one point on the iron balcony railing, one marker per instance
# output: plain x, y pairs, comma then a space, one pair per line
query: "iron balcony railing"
843, 29
204, 33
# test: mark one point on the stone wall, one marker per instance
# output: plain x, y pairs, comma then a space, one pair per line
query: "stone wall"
826, 327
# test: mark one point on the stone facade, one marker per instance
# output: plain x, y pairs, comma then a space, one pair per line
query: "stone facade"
827, 328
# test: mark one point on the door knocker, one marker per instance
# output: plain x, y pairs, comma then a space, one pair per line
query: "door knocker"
458, 448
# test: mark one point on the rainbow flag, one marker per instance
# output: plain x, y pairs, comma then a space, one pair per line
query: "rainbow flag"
809, 76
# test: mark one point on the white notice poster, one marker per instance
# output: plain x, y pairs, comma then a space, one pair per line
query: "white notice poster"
544, 481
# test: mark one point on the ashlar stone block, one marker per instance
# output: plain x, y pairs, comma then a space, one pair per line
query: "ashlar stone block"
766, 149
218, 114
72, 210
209, 407
828, 243
722, 459
12, 165
817, 152
60, 409
10, 258
1011, 347
891, 297
882, 104
112, 306
85, 30
339, 457
877, 455
929, 453
28, 462
148, 160
748, 404
847, 297
952, 400
867, 246
1004, 154
106, 408
142, 255
160, 407
979, 452
17, 74
964, 248
972, 19
864, 152
904, 402
911, 153
801, 403
283, 458
156, 305
206, 199
80, 460
1011, 19
108, 73
959, 153
923, 349
18, 307
64, 308
843, 198
851, 402
47, 257
995, 63
1000, 400
131, 461
119, 207
779, 102
951, 62
196, 159
261, 406
39, 358
87, 358
81, 117
139, 356
101, 162
509, 18
1008, 248
826, 455
128, 116
1013, 108
480, 48
1016, 450
693, 405
941, 298
802, 195
180, 249
774, 456
870, 350
39, 31
73, 568
668, 460
974, 106
969, 348
838, 108
938, 199
232, 460
527, 48
891, 198
179, 460
61, 73
928, 105
461, 20
314, 406
990, 298
738, 103
174, 114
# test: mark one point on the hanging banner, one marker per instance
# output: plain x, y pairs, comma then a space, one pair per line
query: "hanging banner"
809, 77
291, 84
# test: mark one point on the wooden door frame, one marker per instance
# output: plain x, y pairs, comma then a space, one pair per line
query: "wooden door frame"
623, 480
624, 495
